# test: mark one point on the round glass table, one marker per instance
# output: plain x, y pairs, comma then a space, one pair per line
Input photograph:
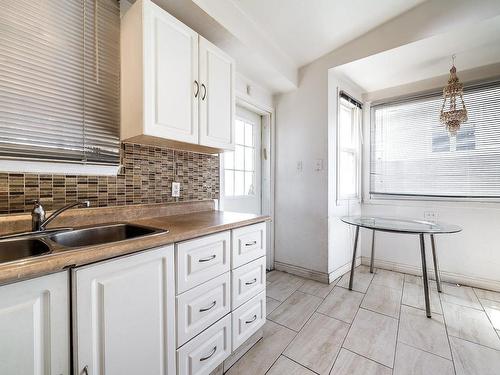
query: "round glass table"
402, 225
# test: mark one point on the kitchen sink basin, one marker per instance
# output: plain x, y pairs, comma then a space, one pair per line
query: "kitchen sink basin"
22, 248
101, 234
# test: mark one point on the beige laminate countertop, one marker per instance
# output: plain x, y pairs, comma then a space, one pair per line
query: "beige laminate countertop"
180, 227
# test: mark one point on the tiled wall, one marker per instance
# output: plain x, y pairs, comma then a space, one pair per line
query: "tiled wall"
146, 178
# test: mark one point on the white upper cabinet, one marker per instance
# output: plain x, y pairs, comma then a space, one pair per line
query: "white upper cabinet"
34, 326
175, 85
216, 97
124, 315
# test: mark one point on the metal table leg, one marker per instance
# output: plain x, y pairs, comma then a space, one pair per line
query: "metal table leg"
424, 276
436, 265
353, 257
373, 251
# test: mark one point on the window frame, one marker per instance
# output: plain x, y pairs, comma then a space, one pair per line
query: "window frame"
357, 125
416, 199
254, 171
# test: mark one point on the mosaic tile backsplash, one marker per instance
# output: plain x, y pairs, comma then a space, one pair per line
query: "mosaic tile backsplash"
146, 177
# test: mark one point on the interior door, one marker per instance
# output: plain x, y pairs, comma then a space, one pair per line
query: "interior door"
171, 77
216, 97
242, 168
124, 314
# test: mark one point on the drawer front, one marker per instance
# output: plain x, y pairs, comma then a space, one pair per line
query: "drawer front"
200, 307
205, 352
248, 243
248, 318
248, 281
202, 259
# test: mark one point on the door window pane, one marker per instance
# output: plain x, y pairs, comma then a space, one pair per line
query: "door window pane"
239, 161
229, 183
229, 160
249, 183
239, 183
249, 159
239, 132
249, 135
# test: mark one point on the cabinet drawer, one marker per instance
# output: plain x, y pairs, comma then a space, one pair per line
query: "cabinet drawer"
248, 243
248, 318
206, 351
202, 259
248, 281
199, 307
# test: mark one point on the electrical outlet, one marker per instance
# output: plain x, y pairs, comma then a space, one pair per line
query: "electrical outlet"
299, 166
176, 189
318, 165
431, 216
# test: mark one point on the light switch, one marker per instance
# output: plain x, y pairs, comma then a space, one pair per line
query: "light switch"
176, 189
318, 165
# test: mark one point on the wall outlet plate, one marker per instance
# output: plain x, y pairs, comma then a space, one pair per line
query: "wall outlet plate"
176, 189
431, 216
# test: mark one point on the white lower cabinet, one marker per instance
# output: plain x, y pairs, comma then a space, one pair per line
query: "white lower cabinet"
124, 315
248, 318
206, 351
202, 306
34, 326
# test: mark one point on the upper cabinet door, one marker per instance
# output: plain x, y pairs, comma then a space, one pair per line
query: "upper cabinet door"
34, 326
216, 97
124, 315
171, 76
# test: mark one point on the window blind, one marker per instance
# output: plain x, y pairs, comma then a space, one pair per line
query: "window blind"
59, 80
412, 154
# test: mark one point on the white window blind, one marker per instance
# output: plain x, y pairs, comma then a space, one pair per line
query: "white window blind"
412, 154
59, 80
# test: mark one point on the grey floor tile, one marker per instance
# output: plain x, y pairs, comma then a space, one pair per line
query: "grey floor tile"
282, 285
413, 295
295, 310
383, 299
271, 305
416, 330
412, 361
341, 304
460, 295
473, 359
470, 324
317, 344
349, 363
263, 354
492, 309
286, 366
487, 294
373, 335
390, 279
316, 288
362, 279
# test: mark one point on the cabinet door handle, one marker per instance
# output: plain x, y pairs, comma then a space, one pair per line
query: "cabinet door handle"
204, 91
85, 370
209, 307
197, 88
251, 243
207, 259
251, 282
210, 355
251, 320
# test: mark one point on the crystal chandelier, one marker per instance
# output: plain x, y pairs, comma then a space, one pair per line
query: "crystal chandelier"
451, 116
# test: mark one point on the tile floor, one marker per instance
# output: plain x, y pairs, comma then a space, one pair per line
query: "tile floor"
379, 328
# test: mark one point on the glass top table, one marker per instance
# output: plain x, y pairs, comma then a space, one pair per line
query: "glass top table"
403, 225
407, 226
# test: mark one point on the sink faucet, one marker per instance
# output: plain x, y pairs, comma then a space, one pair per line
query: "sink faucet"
38, 220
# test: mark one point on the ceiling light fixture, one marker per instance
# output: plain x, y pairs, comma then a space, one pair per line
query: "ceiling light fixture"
450, 116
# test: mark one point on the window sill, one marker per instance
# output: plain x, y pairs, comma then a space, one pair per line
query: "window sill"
43, 167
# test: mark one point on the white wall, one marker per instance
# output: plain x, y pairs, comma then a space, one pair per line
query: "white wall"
471, 257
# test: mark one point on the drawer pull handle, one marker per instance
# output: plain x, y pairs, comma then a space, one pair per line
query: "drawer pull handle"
251, 282
209, 356
251, 243
251, 320
210, 307
207, 259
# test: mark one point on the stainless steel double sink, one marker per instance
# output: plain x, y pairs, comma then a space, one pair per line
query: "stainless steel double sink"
31, 244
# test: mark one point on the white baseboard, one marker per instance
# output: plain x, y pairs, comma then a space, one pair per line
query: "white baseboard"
342, 270
306, 273
450, 277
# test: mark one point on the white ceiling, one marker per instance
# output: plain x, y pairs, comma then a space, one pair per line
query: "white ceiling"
308, 29
475, 45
